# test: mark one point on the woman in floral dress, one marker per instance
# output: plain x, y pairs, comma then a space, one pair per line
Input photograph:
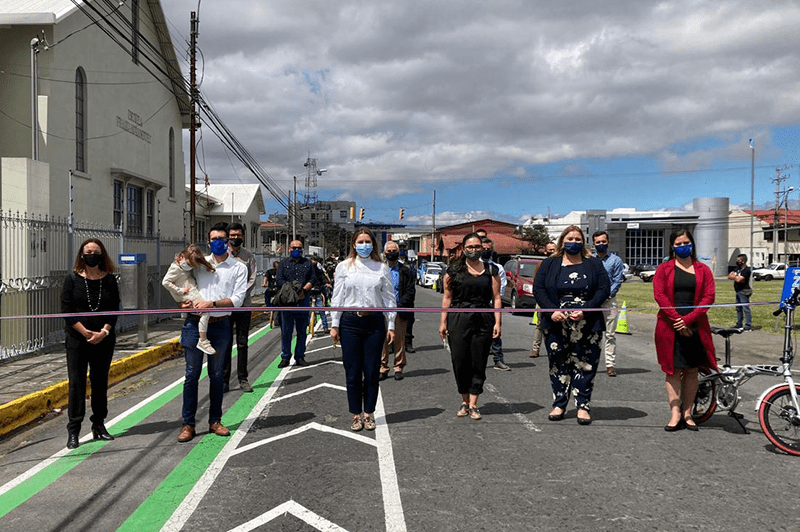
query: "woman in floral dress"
571, 280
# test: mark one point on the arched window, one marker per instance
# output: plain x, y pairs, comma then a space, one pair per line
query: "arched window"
171, 163
80, 120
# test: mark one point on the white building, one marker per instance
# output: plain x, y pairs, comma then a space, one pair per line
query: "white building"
242, 203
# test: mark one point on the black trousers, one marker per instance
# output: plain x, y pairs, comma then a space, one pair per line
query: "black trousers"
240, 325
470, 337
409, 329
81, 355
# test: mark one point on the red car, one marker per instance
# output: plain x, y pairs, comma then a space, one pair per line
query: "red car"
520, 271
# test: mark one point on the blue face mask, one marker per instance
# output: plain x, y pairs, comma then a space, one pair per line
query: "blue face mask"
573, 248
296, 253
683, 252
364, 250
218, 246
601, 248
403, 252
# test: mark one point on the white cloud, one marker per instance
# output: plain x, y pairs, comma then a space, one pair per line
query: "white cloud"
394, 95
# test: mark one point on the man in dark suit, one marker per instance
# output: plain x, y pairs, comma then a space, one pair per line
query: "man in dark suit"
404, 291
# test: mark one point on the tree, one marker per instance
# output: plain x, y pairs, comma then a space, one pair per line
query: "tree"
536, 235
337, 239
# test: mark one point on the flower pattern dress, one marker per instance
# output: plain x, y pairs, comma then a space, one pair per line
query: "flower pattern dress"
573, 348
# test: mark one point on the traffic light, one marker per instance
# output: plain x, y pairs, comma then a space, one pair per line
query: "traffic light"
361, 214
352, 213
402, 211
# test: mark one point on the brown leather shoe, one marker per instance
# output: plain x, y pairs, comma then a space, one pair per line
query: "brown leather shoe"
187, 433
218, 429
611, 372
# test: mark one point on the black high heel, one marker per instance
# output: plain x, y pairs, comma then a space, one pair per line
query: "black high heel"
100, 433
72, 441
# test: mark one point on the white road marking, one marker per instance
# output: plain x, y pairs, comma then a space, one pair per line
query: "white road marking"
322, 349
527, 423
301, 368
310, 426
315, 387
392, 505
297, 510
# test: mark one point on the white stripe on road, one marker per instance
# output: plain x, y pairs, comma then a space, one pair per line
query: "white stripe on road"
392, 505
527, 423
297, 510
310, 426
315, 387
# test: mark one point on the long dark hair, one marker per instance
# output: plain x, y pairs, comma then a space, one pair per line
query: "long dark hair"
375, 255
674, 236
457, 268
106, 265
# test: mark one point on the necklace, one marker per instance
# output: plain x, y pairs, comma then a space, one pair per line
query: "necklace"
89, 299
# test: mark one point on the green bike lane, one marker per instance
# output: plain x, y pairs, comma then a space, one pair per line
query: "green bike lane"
156, 508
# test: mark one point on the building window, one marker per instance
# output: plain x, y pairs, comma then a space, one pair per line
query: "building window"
200, 230
342, 214
135, 31
644, 246
80, 120
118, 205
134, 210
151, 210
171, 163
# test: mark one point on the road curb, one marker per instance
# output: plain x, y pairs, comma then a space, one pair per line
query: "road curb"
20, 412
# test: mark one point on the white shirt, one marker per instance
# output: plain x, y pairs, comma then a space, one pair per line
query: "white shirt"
362, 283
228, 282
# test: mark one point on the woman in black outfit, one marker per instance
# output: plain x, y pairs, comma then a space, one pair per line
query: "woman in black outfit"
571, 280
90, 287
470, 283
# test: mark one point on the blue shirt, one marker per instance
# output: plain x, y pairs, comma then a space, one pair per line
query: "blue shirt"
615, 268
395, 272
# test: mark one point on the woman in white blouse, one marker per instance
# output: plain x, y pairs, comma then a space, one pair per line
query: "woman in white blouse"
362, 280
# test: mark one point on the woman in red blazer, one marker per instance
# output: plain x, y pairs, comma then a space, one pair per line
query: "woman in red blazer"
682, 287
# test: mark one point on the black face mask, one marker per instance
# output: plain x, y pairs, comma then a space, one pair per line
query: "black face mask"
236, 242
392, 256
92, 260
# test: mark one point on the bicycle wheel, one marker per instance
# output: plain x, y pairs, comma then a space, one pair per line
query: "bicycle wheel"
705, 402
780, 420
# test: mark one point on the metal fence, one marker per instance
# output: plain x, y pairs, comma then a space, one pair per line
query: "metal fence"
38, 251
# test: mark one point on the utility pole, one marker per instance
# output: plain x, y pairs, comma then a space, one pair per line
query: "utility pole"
294, 211
752, 195
779, 178
192, 125
433, 226
35, 97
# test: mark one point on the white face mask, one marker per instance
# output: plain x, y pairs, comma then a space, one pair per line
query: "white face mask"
185, 266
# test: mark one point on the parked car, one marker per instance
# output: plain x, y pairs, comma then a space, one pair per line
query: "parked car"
647, 273
639, 267
776, 270
626, 272
432, 274
520, 272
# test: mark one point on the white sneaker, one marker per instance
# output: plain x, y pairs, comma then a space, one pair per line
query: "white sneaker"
205, 346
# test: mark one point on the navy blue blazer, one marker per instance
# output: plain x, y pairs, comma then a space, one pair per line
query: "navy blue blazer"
545, 290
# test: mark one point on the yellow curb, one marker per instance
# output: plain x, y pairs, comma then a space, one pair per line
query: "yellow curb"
20, 412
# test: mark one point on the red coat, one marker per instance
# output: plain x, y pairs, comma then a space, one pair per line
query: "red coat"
664, 293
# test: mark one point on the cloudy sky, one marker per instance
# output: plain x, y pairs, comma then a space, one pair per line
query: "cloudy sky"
504, 108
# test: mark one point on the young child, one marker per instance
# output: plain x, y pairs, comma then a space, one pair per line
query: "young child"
182, 285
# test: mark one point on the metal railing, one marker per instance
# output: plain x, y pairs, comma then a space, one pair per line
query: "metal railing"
37, 252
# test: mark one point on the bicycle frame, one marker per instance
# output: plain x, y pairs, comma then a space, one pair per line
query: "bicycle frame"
786, 359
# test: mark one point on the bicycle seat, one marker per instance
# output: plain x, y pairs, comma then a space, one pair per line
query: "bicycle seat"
725, 332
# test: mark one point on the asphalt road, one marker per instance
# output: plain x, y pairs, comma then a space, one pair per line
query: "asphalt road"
294, 465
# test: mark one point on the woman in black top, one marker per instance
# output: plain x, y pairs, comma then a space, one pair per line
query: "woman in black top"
571, 280
90, 287
470, 283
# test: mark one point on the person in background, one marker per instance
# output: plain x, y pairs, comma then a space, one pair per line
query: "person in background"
470, 283
497, 343
224, 288
296, 269
616, 276
744, 289
89, 340
181, 284
683, 287
549, 249
404, 290
362, 281
240, 320
403, 246
319, 293
269, 283
571, 280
